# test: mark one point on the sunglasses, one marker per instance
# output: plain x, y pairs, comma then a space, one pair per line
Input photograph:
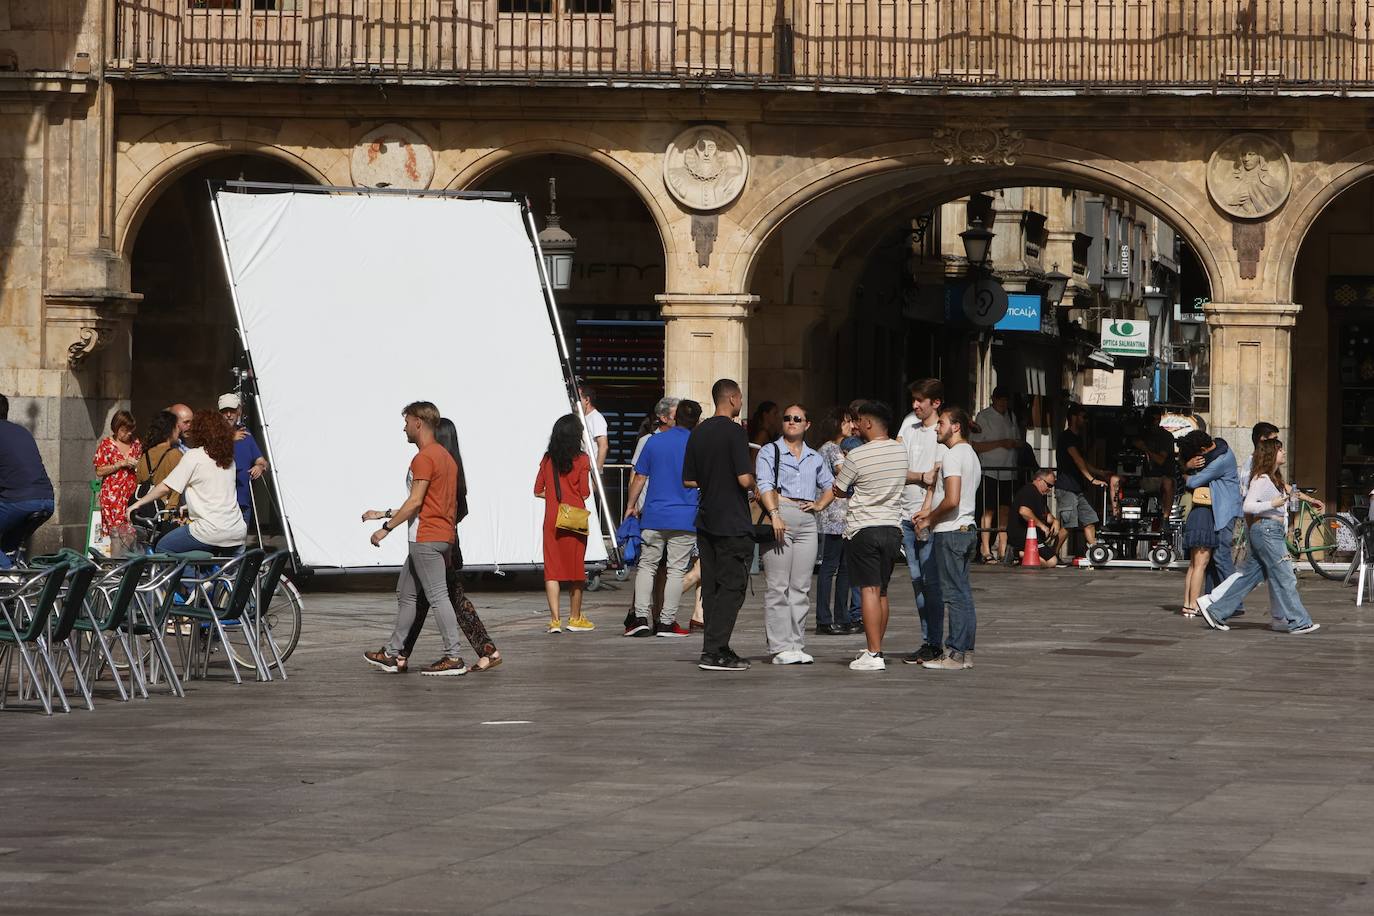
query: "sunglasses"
793, 418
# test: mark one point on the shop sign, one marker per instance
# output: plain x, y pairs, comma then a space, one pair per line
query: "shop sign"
985, 301
1126, 337
1023, 313
1103, 387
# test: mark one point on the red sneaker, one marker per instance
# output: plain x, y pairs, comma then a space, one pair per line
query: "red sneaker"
674, 631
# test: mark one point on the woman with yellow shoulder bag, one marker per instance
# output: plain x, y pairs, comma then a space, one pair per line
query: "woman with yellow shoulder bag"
1199, 535
564, 483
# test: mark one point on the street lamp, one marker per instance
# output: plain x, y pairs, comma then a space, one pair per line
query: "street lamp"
1154, 303
1114, 285
1190, 331
1056, 283
557, 245
977, 241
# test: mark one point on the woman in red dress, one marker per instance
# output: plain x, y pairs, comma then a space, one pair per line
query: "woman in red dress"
115, 460
565, 553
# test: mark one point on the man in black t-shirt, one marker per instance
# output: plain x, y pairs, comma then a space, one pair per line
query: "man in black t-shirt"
1030, 507
718, 463
1075, 491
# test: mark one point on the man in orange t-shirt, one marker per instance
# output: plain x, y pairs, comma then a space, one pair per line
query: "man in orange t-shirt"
433, 507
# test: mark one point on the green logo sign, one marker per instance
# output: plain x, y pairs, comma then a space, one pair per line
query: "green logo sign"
1122, 329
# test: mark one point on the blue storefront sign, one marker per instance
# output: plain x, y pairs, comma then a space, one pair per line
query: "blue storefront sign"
1023, 310
1023, 313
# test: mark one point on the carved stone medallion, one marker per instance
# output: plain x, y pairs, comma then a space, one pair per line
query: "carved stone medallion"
705, 168
1249, 176
392, 156
978, 145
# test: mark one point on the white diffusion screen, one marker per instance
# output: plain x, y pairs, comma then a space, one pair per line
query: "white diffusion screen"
353, 306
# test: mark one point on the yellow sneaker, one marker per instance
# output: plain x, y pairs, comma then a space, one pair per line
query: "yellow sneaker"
580, 625
554, 627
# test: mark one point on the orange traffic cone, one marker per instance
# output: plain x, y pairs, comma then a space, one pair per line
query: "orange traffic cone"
1030, 554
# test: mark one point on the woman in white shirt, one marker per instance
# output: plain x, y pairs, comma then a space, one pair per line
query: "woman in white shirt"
205, 478
1265, 505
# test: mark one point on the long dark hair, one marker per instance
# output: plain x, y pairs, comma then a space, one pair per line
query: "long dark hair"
756, 421
160, 430
565, 442
832, 422
446, 434
1266, 461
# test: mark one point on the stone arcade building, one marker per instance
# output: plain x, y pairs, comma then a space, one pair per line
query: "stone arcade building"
750, 156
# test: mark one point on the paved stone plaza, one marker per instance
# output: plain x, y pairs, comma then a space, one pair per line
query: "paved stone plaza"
1104, 756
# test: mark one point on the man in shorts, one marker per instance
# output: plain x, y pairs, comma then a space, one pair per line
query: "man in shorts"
1077, 478
873, 476
1030, 507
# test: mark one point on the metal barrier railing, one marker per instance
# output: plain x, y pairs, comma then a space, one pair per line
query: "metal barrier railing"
1211, 43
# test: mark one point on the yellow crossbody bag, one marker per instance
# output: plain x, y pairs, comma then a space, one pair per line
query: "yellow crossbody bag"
570, 518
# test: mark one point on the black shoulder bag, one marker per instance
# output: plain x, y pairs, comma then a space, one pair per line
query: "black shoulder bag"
763, 530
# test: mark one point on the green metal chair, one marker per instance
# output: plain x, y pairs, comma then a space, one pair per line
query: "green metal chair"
107, 613
72, 599
27, 600
223, 594
150, 613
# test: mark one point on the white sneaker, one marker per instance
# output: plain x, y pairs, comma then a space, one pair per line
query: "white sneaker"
792, 657
1303, 631
1204, 607
868, 661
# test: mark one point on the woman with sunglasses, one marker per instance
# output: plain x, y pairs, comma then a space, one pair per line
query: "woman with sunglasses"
794, 483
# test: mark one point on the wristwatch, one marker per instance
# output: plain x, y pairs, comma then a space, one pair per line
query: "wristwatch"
384, 527
388, 513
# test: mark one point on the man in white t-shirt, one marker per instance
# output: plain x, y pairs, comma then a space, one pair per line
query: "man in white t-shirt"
997, 443
596, 425
955, 534
921, 444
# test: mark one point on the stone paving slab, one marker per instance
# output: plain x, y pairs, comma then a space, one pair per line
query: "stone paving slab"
1105, 756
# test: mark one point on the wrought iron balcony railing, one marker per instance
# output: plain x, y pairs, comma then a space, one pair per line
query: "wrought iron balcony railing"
1292, 44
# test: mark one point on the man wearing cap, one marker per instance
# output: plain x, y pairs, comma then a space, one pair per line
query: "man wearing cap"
248, 459
996, 443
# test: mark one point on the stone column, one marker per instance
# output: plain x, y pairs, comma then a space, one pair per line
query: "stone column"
1251, 368
706, 338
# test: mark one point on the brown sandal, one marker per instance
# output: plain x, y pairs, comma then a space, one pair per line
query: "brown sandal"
490, 663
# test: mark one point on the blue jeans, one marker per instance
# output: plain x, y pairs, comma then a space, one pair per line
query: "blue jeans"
14, 524
1268, 560
832, 583
925, 582
953, 551
180, 540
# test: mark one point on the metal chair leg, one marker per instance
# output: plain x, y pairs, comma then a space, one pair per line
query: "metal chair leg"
76, 674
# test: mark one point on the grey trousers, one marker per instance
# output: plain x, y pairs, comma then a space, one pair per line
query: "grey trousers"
788, 566
425, 568
662, 546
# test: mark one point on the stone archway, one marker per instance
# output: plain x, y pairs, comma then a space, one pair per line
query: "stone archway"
609, 311
183, 337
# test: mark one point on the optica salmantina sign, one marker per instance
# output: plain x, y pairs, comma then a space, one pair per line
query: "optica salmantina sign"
1126, 337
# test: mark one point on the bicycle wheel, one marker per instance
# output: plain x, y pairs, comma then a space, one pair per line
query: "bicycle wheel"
282, 617
1331, 545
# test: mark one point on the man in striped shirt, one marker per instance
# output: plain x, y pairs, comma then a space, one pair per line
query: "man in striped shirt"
873, 476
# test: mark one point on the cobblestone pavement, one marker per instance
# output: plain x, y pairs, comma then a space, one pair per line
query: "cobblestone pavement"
1105, 756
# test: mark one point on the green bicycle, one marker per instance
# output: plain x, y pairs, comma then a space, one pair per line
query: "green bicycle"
1328, 541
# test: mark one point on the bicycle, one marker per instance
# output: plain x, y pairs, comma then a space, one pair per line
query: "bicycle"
1329, 541
282, 616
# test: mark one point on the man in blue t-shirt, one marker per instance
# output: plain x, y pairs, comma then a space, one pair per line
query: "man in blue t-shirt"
26, 496
667, 523
249, 462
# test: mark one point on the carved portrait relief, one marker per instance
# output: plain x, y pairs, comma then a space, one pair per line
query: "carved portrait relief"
1249, 176
705, 168
392, 156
